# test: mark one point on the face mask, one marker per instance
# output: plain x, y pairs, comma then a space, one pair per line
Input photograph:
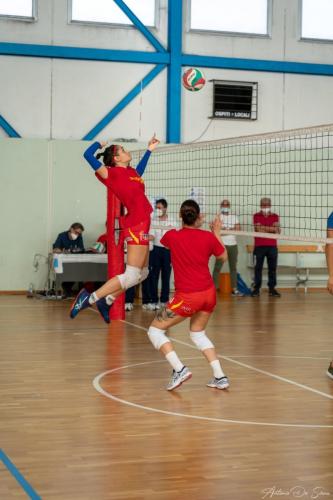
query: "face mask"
74, 236
159, 212
225, 210
266, 210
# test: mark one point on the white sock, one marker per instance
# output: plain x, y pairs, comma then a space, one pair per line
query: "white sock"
174, 361
110, 299
217, 369
93, 298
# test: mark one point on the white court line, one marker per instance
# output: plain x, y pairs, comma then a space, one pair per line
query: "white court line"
263, 372
97, 386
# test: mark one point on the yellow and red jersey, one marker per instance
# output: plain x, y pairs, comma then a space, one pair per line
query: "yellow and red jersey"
129, 188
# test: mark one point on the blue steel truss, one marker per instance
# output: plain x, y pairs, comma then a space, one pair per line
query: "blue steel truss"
171, 58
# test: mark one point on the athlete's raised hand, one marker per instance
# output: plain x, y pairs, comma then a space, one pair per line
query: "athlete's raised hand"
153, 143
216, 225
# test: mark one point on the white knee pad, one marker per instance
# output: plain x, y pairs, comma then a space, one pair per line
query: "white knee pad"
144, 274
130, 277
157, 337
201, 341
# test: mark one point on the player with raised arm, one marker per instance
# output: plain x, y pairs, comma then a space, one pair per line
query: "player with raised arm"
195, 295
127, 185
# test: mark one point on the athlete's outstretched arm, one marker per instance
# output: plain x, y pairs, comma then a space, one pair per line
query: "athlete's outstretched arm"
141, 166
95, 164
216, 226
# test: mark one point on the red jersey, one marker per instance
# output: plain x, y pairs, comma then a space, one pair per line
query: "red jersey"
265, 220
190, 253
129, 188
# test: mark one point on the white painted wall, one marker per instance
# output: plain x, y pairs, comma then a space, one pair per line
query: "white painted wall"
64, 99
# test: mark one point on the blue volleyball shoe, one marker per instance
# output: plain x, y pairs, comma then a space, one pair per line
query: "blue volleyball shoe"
81, 302
104, 309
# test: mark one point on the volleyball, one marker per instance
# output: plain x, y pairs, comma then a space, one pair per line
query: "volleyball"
193, 79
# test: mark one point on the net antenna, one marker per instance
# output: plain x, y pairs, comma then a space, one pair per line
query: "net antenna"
140, 110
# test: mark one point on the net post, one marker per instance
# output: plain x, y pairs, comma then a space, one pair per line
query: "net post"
115, 251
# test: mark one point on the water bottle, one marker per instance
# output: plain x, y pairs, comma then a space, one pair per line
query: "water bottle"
30, 292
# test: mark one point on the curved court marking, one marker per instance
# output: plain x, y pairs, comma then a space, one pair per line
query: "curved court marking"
97, 386
249, 367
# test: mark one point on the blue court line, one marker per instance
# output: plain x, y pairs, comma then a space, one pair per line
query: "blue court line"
18, 476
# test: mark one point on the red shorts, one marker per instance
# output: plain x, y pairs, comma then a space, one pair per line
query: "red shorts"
187, 304
138, 234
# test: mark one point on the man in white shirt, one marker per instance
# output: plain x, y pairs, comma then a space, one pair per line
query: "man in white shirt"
159, 258
229, 222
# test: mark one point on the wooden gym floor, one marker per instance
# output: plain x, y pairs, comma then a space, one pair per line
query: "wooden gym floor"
269, 435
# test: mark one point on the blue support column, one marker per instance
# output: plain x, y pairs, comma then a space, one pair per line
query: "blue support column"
175, 33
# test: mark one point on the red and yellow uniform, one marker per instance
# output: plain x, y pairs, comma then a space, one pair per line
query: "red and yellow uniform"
128, 187
190, 253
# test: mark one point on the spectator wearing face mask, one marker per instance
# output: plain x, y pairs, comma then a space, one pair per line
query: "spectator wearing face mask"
69, 242
229, 222
265, 221
159, 258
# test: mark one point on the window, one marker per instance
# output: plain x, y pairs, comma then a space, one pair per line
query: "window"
232, 16
235, 100
107, 12
317, 19
18, 8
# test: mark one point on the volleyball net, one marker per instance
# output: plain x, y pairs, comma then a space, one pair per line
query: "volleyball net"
293, 168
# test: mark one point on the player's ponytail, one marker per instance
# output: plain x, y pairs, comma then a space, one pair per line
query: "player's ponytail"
108, 155
189, 212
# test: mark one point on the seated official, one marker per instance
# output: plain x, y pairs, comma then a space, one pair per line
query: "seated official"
70, 241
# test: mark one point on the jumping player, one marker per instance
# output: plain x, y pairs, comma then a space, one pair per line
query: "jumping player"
195, 295
127, 185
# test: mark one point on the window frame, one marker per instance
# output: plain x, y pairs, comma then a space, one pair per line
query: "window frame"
105, 24
28, 19
300, 26
238, 34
